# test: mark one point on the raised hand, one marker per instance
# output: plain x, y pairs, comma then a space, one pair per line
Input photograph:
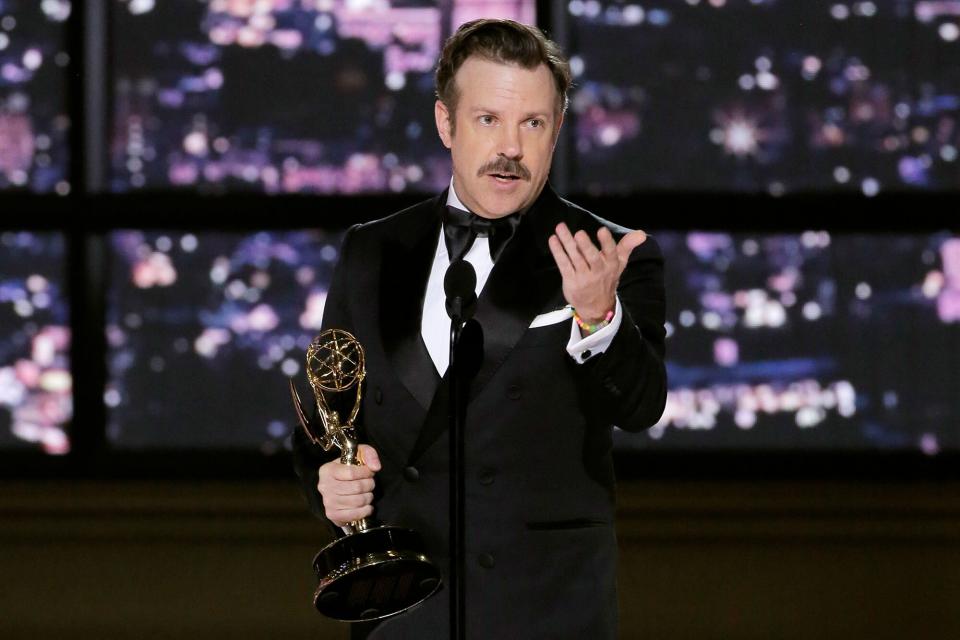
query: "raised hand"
590, 275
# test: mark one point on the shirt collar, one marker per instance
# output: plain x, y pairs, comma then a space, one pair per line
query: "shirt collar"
453, 200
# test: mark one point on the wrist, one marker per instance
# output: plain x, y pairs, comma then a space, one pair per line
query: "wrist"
590, 317
596, 309
591, 324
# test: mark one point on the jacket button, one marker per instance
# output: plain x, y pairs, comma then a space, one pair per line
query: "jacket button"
611, 386
411, 474
378, 396
585, 354
513, 392
486, 477
486, 561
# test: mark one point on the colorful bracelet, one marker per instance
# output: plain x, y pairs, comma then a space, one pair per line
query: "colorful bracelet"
592, 328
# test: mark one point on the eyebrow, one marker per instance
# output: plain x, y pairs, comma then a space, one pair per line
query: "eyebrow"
531, 114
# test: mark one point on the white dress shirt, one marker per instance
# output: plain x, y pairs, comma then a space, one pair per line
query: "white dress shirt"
435, 323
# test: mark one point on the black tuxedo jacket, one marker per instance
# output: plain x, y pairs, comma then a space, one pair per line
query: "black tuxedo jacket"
540, 543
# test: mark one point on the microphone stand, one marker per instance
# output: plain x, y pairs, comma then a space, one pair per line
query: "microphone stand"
457, 415
459, 285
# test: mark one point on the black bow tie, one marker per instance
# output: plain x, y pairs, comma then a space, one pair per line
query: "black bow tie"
461, 228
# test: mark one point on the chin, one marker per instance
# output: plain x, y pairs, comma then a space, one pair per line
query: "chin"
501, 210
499, 207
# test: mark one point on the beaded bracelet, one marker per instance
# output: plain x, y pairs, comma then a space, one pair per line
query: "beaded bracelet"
592, 328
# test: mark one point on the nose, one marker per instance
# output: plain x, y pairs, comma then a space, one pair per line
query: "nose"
509, 143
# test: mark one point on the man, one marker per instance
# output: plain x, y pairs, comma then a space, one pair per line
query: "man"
540, 544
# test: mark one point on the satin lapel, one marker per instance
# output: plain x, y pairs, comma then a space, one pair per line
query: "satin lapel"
522, 282
405, 269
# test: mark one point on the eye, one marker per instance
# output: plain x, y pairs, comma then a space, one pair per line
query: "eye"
535, 123
486, 119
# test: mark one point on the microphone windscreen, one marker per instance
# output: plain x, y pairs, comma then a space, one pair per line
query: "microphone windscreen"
460, 280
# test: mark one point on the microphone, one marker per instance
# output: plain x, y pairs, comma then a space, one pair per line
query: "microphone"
459, 285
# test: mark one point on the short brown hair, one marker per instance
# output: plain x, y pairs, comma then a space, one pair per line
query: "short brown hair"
503, 41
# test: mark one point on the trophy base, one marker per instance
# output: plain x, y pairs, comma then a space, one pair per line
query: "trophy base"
373, 574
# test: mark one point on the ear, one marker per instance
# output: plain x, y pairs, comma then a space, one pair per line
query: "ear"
442, 117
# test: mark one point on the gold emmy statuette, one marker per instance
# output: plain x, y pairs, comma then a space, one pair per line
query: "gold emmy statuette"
374, 571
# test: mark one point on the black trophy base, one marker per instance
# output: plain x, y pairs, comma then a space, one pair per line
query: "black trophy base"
373, 574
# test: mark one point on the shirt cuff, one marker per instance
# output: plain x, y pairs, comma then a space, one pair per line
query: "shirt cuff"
580, 349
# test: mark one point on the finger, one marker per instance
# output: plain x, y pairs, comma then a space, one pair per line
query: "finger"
607, 244
587, 249
628, 243
570, 246
354, 487
370, 457
341, 517
560, 257
350, 471
349, 502
329, 486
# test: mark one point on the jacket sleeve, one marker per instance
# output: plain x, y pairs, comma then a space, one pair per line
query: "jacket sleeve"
308, 457
628, 381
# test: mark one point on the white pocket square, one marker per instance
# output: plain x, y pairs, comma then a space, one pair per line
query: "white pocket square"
552, 317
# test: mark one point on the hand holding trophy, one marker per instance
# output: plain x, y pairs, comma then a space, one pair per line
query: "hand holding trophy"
374, 571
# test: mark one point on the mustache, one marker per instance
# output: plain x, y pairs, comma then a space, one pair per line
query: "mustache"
506, 166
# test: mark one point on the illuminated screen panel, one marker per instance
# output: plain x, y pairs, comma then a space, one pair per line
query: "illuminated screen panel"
777, 342
765, 95
34, 124
35, 384
204, 329
282, 96
811, 342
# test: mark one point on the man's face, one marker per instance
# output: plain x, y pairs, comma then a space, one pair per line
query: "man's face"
506, 128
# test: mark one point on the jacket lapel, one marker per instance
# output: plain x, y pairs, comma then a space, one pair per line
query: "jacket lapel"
405, 269
521, 284
523, 281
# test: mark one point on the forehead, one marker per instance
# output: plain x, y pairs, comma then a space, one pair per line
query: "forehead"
484, 83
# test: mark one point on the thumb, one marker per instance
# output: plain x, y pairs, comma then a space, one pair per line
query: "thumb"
370, 457
628, 243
